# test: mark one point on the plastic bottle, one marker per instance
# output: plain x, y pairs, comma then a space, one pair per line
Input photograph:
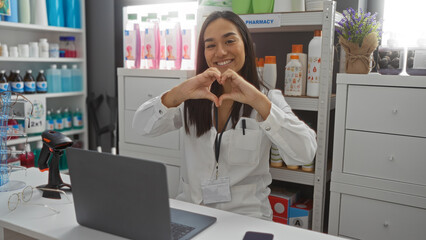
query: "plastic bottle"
24, 11
10, 79
293, 77
58, 119
314, 65
41, 84
152, 42
77, 119
72, 13
130, 41
77, 79
163, 26
43, 47
50, 122
188, 42
54, 81
17, 84
142, 27
270, 72
260, 64
173, 42
70, 50
27, 158
29, 83
66, 79
13, 160
39, 12
55, 13
12, 128
4, 85
297, 49
36, 152
13, 12
67, 119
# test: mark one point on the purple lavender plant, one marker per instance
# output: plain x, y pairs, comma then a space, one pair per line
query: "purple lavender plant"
356, 25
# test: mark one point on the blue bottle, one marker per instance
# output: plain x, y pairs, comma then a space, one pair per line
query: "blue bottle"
55, 13
72, 13
66, 79
77, 79
54, 81
13, 12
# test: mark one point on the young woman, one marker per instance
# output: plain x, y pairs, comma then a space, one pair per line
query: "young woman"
230, 124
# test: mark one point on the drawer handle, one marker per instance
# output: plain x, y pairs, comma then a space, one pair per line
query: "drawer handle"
395, 111
391, 158
386, 224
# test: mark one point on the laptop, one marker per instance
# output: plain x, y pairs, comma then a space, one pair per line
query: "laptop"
127, 197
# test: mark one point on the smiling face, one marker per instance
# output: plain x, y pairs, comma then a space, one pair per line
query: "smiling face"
224, 46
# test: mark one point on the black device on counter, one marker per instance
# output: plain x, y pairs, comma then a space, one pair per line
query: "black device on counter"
53, 143
258, 236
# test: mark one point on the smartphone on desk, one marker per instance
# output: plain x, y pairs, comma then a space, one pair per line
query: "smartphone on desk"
258, 236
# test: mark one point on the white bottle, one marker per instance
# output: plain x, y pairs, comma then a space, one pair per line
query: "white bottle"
314, 65
260, 64
270, 72
188, 43
43, 47
297, 49
293, 77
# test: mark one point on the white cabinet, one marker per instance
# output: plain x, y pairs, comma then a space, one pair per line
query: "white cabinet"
13, 34
135, 86
378, 185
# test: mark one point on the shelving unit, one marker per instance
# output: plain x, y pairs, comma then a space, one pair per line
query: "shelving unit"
13, 34
305, 22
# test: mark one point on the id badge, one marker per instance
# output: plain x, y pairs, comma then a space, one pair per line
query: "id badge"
216, 190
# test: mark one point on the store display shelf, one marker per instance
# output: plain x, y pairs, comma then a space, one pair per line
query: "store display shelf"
33, 27
54, 60
38, 138
295, 176
306, 103
54, 95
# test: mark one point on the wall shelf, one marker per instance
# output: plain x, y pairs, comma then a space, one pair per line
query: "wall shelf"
38, 28
52, 60
38, 138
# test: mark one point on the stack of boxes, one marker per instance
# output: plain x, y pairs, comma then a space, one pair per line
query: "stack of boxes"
288, 209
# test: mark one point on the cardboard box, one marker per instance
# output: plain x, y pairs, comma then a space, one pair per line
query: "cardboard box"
301, 214
281, 200
279, 220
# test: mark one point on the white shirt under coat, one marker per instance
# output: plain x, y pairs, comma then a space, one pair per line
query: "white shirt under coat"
243, 158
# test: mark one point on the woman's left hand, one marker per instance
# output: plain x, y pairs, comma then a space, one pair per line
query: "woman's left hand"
244, 92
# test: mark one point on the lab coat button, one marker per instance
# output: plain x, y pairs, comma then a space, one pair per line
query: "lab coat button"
268, 128
160, 111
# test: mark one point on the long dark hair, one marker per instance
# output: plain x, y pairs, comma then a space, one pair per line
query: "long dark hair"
199, 111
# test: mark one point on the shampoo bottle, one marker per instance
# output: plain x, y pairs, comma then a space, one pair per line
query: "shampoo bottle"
314, 65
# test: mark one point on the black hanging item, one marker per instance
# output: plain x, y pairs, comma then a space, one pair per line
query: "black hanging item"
53, 143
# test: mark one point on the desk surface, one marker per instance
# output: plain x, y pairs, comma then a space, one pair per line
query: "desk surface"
41, 223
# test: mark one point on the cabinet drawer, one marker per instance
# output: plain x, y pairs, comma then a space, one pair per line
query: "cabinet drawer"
140, 89
364, 218
169, 140
387, 109
385, 156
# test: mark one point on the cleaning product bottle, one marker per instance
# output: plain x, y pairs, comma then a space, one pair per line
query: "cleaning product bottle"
55, 13
314, 65
36, 152
41, 84
66, 81
293, 77
72, 13
174, 42
59, 124
67, 119
188, 42
152, 42
163, 25
130, 41
297, 49
270, 72
50, 122
77, 79
24, 11
77, 119
38, 12
29, 83
4, 85
54, 81
17, 84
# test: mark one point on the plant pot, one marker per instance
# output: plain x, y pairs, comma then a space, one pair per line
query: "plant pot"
358, 58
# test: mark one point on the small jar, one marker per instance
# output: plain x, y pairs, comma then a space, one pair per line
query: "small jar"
390, 60
416, 59
53, 50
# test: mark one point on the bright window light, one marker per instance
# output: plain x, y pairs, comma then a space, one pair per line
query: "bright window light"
404, 20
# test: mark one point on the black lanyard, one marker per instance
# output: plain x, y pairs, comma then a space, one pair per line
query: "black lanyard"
218, 141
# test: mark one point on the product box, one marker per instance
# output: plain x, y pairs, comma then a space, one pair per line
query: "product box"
300, 214
281, 200
279, 220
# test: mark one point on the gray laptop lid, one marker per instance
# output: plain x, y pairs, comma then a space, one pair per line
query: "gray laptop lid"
125, 196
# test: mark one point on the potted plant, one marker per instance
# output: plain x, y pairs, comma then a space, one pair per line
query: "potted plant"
358, 33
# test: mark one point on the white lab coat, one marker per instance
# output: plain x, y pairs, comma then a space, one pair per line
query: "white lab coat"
243, 158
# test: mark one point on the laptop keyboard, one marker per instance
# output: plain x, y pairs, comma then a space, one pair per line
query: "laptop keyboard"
179, 230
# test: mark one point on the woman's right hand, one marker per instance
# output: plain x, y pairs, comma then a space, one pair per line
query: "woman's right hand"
197, 87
